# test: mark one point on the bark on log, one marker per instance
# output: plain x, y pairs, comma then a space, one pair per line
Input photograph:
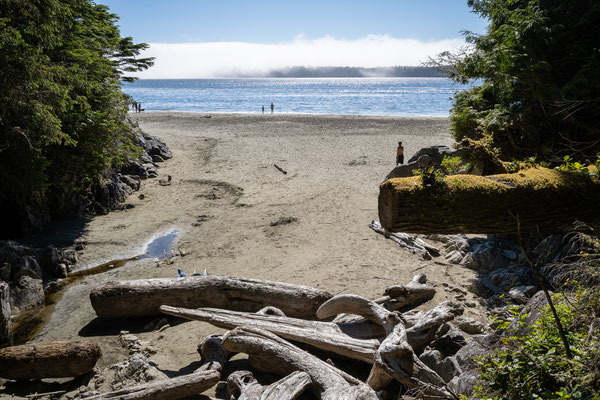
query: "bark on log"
543, 199
169, 389
423, 327
241, 385
144, 297
54, 359
273, 354
326, 336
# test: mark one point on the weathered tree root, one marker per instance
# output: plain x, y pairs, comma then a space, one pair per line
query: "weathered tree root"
241, 385
411, 242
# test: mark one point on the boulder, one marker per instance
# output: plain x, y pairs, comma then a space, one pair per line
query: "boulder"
26, 293
529, 314
447, 367
406, 170
5, 323
464, 383
449, 343
54, 359
469, 325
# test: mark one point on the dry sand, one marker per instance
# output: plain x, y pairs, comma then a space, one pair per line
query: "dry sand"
226, 198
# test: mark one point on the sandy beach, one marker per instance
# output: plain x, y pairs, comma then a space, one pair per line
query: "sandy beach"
238, 215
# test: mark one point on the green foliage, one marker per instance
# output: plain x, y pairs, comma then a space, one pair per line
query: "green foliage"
454, 165
62, 112
534, 366
539, 68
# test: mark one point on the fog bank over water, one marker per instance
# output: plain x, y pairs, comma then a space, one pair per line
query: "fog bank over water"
228, 59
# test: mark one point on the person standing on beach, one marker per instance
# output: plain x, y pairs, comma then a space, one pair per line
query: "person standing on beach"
400, 154
263, 109
272, 108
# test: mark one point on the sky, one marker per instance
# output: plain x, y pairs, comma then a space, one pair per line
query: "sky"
201, 39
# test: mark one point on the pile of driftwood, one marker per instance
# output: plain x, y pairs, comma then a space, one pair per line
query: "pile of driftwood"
276, 325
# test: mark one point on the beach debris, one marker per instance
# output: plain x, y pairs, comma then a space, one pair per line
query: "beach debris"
173, 388
283, 171
411, 242
270, 353
180, 273
241, 385
115, 299
417, 291
284, 221
165, 182
53, 359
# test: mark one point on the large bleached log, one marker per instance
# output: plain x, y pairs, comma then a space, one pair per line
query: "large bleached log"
270, 353
54, 359
322, 335
544, 200
395, 358
169, 389
144, 297
241, 385
411, 242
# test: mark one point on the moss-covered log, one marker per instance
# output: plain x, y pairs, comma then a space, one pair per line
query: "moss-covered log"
544, 200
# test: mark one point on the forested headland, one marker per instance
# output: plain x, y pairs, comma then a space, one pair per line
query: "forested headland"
62, 112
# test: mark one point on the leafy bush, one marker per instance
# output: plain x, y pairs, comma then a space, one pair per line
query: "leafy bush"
534, 366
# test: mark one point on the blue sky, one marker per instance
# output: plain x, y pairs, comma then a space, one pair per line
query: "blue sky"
193, 38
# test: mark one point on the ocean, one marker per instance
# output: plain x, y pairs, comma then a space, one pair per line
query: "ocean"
425, 97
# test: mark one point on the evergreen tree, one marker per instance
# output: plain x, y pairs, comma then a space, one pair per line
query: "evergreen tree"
539, 69
62, 112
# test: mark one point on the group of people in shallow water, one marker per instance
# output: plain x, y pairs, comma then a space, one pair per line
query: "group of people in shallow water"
272, 108
137, 107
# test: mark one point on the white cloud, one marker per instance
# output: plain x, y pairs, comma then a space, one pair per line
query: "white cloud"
217, 59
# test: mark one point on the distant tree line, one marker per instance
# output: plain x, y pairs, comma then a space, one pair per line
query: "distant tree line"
62, 112
356, 72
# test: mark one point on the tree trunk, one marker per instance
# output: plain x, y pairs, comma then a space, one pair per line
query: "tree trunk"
544, 200
143, 297
54, 359
241, 385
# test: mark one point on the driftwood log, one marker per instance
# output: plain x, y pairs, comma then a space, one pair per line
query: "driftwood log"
143, 297
395, 357
214, 356
169, 389
270, 353
241, 385
326, 336
410, 242
54, 359
412, 294
542, 199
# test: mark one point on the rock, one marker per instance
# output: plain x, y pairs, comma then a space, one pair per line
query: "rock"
454, 257
136, 369
151, 171
155, 146
447, 367
521, 294
406, 170
464, 383
25, 294
469, 325
131, 180
54, 359
62, 270
507, 278
157, 158
71, 256
27, 266
4, 271
449, 343
530, 313
5, 322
